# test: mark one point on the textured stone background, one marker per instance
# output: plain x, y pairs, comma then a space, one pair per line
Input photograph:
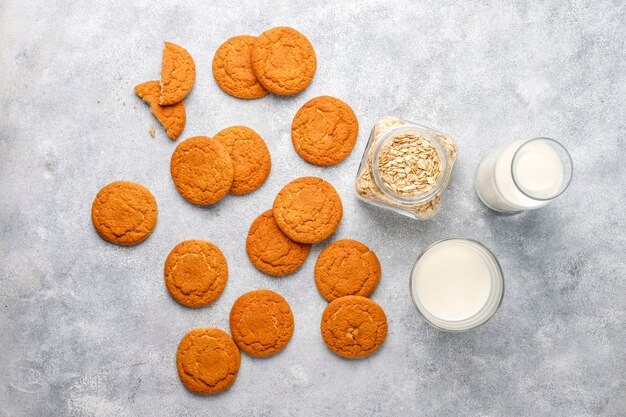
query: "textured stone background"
88, 329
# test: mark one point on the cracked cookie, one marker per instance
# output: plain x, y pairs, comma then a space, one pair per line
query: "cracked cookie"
207, 360
270, 250
283, 60
308, 210
196, 272
202, 170
250, 156
124, 213
178, 73
324, 131
261, 322
172, 118
346, 267
232, 68
354, 326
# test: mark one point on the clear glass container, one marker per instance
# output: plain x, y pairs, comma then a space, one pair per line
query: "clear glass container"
457, 284
525, 175
415, 190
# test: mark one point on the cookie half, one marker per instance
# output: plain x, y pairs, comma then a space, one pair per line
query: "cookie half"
207, 360
270, 250
178, 73
353, 326
250, 156
324, 131
283, 60
172, 118
124, 213
232, 68
261, 323
195, 273
346, 267
308, 210
202, 170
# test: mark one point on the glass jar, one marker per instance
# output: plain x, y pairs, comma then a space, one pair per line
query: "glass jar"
406, 167
525, 175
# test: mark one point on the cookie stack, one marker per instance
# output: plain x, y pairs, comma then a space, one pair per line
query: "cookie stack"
305, 211
165, 97
236, 160
281, 60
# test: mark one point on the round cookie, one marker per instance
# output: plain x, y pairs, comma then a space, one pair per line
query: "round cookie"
261, 322
346, 267
232, 68
272, 252
308, 210
207, 360
283, 60
195, 273
124, 213
250, 156
172, 118
202, 170
178, 73
324, 131
353, 326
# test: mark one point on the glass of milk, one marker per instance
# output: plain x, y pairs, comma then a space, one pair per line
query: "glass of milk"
457, 284
525, 175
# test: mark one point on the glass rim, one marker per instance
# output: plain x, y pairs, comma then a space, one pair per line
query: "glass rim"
495, 308
563, 187
443, 157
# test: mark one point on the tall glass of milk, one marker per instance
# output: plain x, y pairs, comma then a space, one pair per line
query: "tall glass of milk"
457, 284
525, 175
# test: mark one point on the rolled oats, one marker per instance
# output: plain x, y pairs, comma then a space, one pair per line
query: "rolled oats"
405, 170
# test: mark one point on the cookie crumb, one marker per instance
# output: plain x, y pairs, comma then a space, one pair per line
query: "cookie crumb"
152, 131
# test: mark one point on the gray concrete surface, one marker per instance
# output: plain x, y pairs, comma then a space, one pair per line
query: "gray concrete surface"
88, 329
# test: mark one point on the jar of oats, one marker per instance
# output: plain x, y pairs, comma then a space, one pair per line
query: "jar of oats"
406, 167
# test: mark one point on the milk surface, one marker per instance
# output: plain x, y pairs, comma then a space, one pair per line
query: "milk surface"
452, 280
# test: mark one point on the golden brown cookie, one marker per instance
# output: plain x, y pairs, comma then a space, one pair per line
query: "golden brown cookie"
272, 252
283, 60
207, 360
124, 212
354, 326
250, 156
261, 323
195, 273
202, 170
308, 210
172, 118
346, 267
178, 73
232, 68
324, 131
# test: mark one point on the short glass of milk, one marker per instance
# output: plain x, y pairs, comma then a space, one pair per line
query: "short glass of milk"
457, 284
525, 175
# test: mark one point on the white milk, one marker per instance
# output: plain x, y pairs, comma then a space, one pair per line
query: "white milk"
540, 171
452, 280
